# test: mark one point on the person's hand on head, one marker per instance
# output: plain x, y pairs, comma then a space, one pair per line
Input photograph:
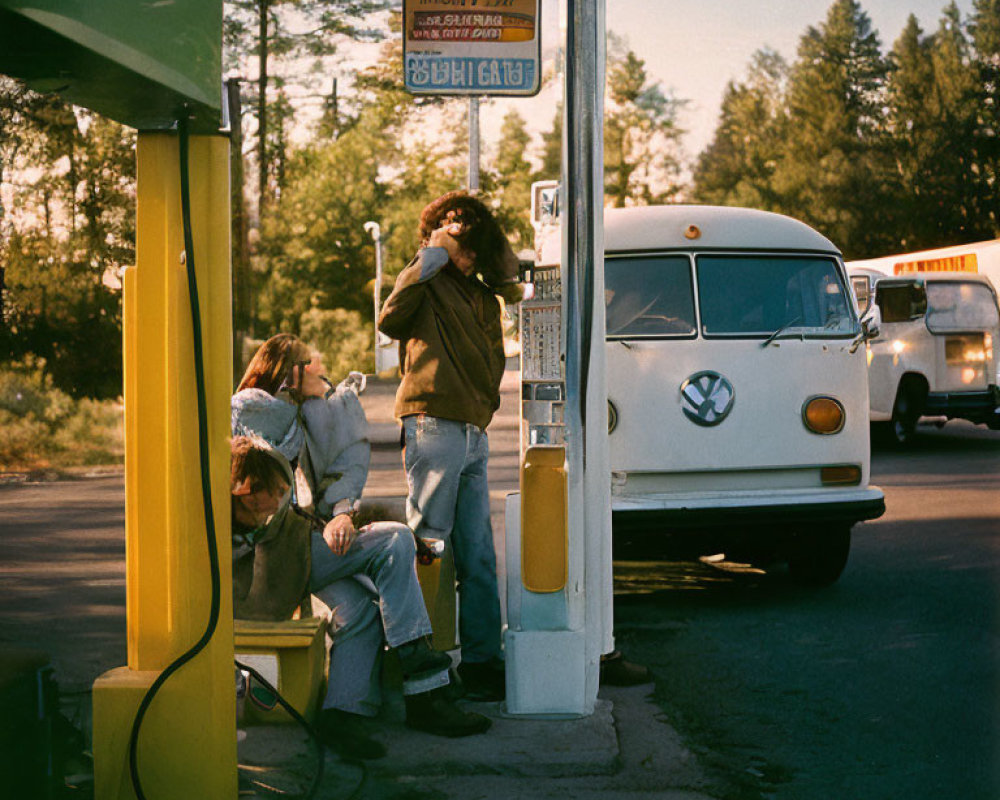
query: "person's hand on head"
339, 534
446, 236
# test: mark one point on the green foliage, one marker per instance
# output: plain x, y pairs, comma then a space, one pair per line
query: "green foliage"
344, 339
737, 168
880, 154
41, 426
514, 176
69, 235
641, 134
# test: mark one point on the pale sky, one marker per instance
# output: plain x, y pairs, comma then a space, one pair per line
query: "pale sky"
696, 46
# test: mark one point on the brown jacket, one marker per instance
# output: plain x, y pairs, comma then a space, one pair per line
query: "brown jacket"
451, 341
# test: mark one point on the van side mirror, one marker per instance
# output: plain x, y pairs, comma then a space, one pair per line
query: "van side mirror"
869, 331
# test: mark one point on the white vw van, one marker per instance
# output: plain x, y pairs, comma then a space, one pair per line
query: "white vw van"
936, 354
737, 385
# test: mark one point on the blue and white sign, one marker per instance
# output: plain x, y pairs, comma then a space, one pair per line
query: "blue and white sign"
472, 47
453, 75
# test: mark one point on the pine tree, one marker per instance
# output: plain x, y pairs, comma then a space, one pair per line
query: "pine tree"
984, 30
914, 141
641, 135
514, 176
551, 169
833, 173
738, 166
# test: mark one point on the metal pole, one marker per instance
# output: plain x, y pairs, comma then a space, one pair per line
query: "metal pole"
583, 281
473, 145
375, 231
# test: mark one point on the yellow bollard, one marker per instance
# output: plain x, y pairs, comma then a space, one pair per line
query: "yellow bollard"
544, 535
187, 745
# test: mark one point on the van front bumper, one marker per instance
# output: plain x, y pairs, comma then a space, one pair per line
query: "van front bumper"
751, 509
979, 407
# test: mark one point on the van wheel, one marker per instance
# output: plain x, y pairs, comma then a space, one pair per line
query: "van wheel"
818, 558
903, 428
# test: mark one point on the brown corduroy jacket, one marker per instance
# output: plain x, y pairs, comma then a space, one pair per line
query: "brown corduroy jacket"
451, 341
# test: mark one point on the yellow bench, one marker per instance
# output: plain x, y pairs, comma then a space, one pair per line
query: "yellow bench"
291, 655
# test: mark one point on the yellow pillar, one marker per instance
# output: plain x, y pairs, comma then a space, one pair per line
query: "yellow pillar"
187, 743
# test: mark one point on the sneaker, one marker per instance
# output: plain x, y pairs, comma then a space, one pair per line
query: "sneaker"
344, 733
435, 712
483, 680
617, 671
418, 660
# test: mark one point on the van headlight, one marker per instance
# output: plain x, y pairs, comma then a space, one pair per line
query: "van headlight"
822, 414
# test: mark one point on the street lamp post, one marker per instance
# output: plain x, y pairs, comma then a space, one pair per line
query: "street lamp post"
375, 231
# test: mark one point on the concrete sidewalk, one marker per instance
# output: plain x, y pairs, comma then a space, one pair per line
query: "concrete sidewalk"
625, 749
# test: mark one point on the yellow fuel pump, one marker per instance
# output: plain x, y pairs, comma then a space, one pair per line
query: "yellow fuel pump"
151, 65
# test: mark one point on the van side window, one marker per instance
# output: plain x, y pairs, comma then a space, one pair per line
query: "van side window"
649, 296
758, 295
960, 306
900, 302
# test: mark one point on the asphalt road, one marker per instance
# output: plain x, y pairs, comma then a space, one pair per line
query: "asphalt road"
883, 686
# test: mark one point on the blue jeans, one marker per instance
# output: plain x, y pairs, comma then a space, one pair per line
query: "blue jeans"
371, 590
449, 499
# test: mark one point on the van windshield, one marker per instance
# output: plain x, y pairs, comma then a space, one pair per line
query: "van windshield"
649, 296
754, 296
960, 306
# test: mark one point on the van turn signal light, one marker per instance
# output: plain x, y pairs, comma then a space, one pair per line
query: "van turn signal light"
846, 475
823, 415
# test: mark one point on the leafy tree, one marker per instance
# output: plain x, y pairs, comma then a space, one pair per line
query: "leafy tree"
551, 169
70, 235
641, 135
316, 250
293, 33
738, 166
832, 174
514, 178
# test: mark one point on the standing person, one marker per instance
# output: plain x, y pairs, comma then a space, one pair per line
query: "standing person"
447, 320
296, 531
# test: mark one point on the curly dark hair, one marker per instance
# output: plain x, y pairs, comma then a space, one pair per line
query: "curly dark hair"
481, 233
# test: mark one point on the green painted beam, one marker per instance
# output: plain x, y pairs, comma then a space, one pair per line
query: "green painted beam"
139, 62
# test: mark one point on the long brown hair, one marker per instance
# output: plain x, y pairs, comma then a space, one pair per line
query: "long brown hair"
481, 233
272, 364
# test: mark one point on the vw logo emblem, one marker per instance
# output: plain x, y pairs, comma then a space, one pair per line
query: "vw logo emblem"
707, 398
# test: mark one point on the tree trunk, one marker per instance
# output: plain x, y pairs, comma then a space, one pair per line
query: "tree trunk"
242, 308
262, 109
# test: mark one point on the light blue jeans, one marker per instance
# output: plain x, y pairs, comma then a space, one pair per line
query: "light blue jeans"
372, 592
449, 499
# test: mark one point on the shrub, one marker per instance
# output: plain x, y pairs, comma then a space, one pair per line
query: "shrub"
43, 427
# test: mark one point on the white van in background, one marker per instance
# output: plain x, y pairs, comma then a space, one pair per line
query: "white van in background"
979, 257
737, 386
938, 349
